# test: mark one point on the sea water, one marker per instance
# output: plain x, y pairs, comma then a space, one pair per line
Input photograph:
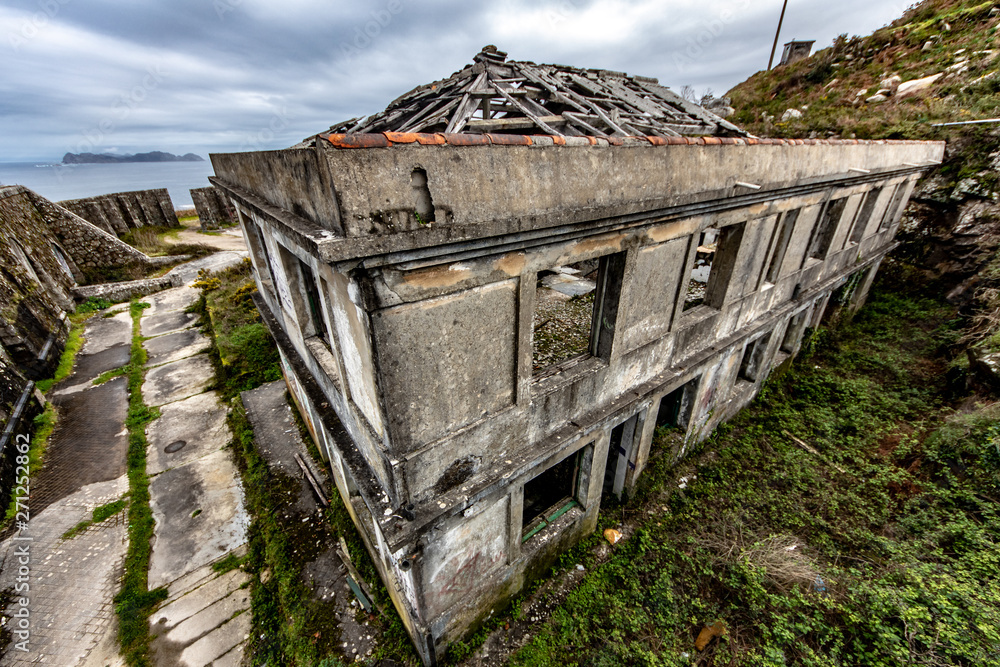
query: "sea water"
57, 182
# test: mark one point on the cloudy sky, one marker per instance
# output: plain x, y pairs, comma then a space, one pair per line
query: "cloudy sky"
222, 75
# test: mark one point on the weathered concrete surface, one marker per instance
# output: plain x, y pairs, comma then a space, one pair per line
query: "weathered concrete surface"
178, 379
179, 298
195, 496
185, 431
158, 324
72, 582
125, 290
212, 206
107, 344
175, 346
188, 273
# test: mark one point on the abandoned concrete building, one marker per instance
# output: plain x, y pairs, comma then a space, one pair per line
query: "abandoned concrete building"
489, 296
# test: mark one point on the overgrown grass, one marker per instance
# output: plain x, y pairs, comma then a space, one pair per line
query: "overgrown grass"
893, 561
74, 343
99, 514
243, 348
44, 424
135, 601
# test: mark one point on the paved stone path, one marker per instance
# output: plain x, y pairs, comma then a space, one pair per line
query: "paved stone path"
195, 495
71, 583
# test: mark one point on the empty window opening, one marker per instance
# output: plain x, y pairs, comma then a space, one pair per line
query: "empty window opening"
752, 364
63, 262
891, 210
826, 228
864, 215
550, 495
675, 408
311, 288
794, 331
713, 266
782, 235
423, 205
575, 311
702, 269
620, 457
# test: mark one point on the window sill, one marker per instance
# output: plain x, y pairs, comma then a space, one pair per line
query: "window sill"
324, 357
565, 373
549, 517
696, 315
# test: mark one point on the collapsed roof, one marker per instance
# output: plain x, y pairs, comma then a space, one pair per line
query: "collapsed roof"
501, 96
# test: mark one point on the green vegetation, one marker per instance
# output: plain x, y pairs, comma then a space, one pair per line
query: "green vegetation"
92, 305
44, 424
243, 348
135, 601
930, 38
892, 561
152, 241
74, 342
99, 514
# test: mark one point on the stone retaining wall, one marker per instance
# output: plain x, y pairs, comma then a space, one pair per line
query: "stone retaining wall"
119, 212
213, 207
123, 291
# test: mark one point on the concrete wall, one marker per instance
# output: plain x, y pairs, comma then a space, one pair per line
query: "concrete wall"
420, 356
119, 212
212, 207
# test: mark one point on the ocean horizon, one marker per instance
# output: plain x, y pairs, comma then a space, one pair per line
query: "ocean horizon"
58, 182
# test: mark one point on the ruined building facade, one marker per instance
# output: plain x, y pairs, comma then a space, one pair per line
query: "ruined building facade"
408, 280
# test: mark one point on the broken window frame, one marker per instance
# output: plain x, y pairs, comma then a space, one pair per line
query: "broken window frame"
258, 248
794, 331
893, 207
534, 525
314, 303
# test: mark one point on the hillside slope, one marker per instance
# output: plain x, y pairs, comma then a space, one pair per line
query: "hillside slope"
938, 63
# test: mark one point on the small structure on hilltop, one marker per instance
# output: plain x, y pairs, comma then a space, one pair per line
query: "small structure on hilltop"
489, 296
795, 51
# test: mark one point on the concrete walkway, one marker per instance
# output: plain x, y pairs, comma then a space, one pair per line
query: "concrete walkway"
71, 583
196, 500
195, 495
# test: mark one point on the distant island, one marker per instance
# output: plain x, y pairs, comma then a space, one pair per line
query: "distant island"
153, 156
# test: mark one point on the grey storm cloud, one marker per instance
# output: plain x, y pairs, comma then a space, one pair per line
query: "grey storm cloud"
220, 75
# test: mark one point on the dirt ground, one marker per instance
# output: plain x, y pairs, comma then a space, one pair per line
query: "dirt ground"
224, 239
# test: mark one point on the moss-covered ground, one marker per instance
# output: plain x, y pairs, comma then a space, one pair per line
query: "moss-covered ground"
879, 550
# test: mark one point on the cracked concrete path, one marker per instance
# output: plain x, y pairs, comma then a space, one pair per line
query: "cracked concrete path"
71, 583
195, 496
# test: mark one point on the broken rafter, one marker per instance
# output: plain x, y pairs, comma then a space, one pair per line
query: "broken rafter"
496, 95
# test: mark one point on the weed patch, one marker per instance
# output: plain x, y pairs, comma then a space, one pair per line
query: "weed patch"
44, 424
135, 601
99, 514
879, 551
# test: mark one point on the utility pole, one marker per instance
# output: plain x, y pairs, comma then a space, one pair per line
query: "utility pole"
770, 61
